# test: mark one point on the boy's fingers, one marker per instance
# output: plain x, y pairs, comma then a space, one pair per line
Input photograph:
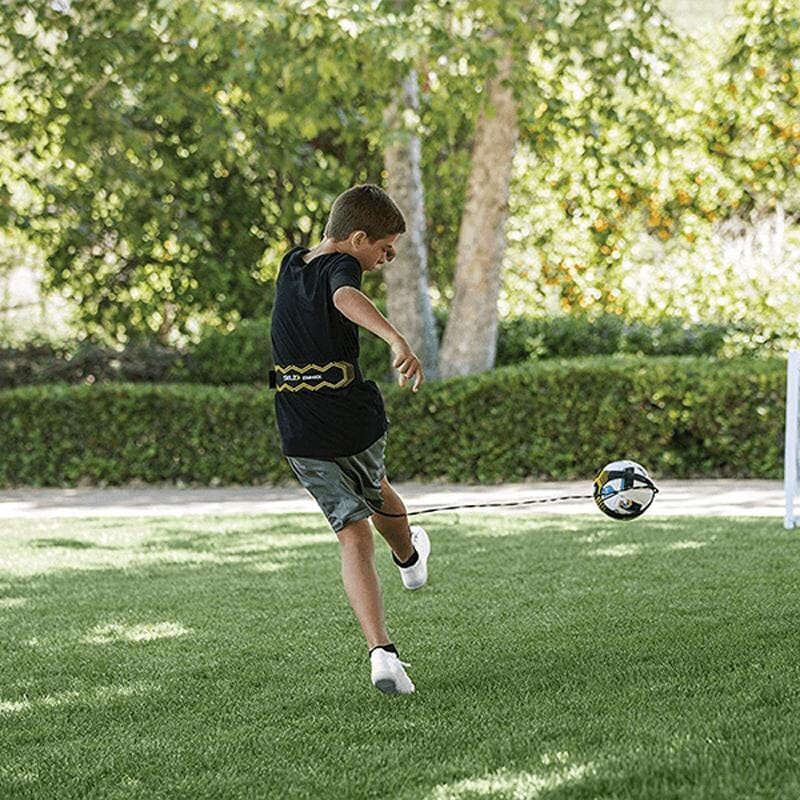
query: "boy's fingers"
409, 367
409, 363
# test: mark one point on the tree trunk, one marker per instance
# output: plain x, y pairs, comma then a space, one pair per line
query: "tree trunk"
408, 302
470, 341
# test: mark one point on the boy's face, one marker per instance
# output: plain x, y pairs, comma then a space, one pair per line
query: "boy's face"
372, 254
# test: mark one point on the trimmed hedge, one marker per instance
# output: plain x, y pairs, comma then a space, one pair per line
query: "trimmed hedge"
680, 417
572, 335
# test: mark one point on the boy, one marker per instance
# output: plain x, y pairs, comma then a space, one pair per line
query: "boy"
331, 421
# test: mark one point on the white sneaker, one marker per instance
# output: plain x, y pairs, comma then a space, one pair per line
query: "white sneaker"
388, 674
417, 576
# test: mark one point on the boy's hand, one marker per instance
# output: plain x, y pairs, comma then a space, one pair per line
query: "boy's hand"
407, 362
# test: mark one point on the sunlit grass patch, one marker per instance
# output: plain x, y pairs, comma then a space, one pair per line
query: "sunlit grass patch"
269, 566
507, 785
13, 602
96, 543
686, 545
598, 536
113, 632
617, 551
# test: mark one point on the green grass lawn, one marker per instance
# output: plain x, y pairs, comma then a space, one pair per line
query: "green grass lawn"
218, 657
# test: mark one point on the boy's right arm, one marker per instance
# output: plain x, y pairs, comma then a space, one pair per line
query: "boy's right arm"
356, 306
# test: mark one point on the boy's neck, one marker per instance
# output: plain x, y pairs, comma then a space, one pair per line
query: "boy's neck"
327, 245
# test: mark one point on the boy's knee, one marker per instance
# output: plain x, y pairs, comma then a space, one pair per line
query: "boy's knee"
355, 534
387, 492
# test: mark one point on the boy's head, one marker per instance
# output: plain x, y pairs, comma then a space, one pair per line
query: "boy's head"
365, 222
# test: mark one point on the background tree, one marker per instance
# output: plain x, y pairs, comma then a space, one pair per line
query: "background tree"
407, 280
169, 155
184, 154
573, 72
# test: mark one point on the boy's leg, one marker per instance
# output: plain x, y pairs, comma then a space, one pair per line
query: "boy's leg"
361, 580
394, 529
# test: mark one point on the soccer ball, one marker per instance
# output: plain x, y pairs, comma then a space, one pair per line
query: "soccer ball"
623, 490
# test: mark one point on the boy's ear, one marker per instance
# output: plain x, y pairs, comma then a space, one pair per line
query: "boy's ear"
357, 238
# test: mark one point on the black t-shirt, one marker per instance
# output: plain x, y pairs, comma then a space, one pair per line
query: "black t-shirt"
307, 328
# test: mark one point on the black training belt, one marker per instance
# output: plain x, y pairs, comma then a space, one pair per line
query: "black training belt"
312, 377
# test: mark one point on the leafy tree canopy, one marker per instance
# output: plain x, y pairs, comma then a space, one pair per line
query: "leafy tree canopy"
165, 154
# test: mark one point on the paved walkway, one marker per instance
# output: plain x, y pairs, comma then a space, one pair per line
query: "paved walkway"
752, 498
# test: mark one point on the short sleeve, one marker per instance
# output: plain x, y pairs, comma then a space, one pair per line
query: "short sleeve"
345, 271
288, 257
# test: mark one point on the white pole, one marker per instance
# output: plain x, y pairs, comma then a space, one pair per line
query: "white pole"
790, 456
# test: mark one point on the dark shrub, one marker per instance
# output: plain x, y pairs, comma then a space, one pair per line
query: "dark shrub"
243, 355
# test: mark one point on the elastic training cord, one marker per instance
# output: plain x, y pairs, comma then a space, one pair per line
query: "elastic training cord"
484, 505
512, 503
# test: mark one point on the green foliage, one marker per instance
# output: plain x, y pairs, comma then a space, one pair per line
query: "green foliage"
714, 139
165, 155
523, 339
752, 121
182, 152
558, 419
675, 337
243, 355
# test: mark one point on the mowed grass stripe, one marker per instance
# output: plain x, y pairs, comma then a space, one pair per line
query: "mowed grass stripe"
218, 658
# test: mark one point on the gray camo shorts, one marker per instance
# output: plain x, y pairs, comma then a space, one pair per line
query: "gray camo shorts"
341, 486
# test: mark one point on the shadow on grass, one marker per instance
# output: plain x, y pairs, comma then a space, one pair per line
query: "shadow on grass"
74, 544
91, 696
